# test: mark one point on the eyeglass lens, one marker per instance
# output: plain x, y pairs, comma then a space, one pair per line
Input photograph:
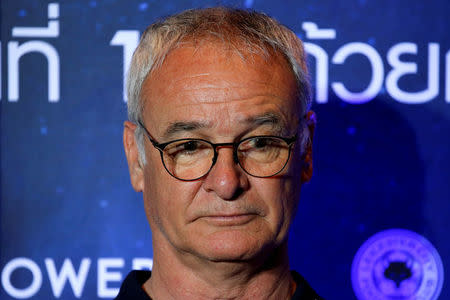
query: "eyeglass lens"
258, 156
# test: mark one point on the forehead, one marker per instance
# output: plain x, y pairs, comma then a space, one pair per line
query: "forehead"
196, 82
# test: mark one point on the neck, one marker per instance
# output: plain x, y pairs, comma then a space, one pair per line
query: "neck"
194, 278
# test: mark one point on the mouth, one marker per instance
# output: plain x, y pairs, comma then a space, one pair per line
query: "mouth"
229, 220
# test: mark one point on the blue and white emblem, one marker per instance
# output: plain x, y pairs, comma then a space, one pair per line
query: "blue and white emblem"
397, 264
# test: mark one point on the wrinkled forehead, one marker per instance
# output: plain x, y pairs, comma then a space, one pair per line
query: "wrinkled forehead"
219, 87
214, 51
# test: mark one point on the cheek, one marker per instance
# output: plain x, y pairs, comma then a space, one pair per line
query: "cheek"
166, 199
279, 200
155, 190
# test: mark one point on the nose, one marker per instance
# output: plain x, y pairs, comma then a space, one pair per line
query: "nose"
226, 178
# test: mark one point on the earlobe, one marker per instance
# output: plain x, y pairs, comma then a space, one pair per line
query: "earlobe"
307, 161
132, 154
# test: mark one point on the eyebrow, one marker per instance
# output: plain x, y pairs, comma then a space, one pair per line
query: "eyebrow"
268, 118
180, 126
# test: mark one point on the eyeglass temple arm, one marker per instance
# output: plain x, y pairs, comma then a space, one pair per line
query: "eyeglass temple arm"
151, 139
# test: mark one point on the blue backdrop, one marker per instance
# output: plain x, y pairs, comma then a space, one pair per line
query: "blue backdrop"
71, 225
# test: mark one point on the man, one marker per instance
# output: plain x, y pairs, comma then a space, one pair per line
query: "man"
219, 143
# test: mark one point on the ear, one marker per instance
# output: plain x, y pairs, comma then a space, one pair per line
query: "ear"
132, 153
307, 161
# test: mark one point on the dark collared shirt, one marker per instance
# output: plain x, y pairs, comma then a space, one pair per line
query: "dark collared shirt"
131, 288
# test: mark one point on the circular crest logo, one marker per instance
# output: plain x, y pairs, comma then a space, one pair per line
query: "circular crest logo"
397, 264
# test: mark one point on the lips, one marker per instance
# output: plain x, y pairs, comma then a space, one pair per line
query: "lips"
228, 219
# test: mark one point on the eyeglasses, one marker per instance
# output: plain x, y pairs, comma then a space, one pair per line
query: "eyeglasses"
190, 159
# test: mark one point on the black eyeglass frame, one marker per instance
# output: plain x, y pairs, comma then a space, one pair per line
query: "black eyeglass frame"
160, 146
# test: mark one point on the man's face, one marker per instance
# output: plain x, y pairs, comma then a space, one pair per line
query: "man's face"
214, 94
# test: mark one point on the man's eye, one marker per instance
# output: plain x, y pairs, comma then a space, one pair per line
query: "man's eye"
257, 144
186, 148
190, 146
261, 142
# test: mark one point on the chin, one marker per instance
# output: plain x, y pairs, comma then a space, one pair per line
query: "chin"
234, 245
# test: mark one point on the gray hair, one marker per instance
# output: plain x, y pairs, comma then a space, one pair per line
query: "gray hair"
249, 31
